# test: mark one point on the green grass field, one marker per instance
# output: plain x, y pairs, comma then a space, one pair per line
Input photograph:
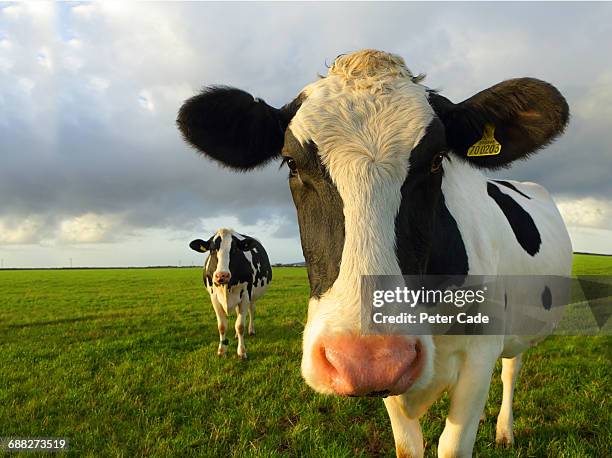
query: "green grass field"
123, 363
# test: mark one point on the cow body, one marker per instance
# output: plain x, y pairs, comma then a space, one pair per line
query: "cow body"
384, 183
463, 364
237, 273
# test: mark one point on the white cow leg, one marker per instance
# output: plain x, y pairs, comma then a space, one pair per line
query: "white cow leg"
252, 319
221, 325
241, 310
406, 431
505, 420
468, 399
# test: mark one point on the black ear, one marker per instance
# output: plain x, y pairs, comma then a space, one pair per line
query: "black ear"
523, 115
247, 244
233, 127
200, 245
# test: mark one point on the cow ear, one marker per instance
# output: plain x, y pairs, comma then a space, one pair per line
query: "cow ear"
246, 244
233, 127
200, 245
504, 123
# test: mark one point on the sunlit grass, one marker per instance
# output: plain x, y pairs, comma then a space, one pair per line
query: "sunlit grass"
123, 363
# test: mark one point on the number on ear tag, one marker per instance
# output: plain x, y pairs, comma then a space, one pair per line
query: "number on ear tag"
487, 145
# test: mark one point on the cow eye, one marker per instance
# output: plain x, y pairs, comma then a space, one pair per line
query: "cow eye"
291, 164
436, 163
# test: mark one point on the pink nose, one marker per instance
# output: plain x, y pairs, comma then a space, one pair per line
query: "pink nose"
368, 365
222, 278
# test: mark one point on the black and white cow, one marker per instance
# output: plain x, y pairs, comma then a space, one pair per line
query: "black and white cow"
383, 183
237, 273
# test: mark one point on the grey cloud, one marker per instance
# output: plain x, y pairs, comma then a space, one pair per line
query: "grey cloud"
95, 132
287, 228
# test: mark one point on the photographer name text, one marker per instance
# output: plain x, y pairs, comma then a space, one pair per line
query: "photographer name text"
427, 318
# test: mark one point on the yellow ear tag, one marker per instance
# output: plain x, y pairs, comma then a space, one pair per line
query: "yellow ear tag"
487, 145
202, 247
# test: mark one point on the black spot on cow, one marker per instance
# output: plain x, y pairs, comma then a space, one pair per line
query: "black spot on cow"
448, 255
239, 266
521, 222
261, 263
547, 298
320, 215
244, 271
211, 266
428, 240
509, 185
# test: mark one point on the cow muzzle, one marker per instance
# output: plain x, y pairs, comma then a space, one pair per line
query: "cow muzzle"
354, 365
222, 278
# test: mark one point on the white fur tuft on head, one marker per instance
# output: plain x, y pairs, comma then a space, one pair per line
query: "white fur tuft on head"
371, 70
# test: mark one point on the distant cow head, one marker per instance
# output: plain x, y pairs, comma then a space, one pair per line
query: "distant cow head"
226, 259
366, 148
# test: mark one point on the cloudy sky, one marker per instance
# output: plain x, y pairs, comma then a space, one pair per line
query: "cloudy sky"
92, 167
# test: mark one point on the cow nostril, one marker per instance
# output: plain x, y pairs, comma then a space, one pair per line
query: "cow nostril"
379, 394
222, 277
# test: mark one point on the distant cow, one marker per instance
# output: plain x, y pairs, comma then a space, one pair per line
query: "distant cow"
387, 178
237, 273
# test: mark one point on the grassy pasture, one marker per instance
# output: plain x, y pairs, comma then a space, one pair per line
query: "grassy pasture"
123, 363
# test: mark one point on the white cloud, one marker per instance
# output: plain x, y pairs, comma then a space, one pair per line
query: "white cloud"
99, 84
6, 64
40, 12
586, 212
88, 228
596, 103
25, 85
84, 10
44, 58
146, 100
21, 231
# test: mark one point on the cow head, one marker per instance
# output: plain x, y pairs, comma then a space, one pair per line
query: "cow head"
366, 147
226, 256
